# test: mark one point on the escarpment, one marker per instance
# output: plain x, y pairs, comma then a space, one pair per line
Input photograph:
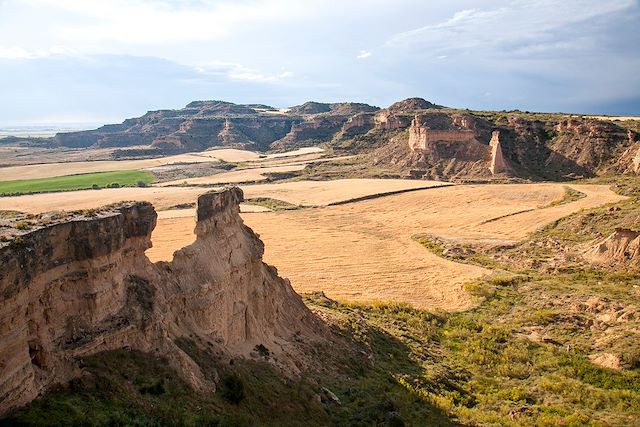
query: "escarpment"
82, 284
416, 137
619, 251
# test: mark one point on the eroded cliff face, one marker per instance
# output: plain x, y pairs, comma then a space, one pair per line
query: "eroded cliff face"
497, 164
445, 143
83, 284
619, 251
461, 146
206, 124
444, 146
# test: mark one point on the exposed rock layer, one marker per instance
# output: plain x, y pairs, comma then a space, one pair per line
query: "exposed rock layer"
419, 138
621, 250
84, 285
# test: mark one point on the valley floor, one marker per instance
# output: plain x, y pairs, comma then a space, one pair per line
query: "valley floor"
358, 251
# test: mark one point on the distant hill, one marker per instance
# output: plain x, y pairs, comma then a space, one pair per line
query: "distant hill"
417, 137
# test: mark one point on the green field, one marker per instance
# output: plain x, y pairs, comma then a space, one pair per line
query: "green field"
126, 178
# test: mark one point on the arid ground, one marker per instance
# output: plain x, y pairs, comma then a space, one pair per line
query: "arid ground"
364, 250
359, 249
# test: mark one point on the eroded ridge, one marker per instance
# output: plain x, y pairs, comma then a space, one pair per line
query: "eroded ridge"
84, 285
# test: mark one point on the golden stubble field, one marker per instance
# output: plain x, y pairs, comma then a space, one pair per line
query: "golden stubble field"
60, 168
364, 250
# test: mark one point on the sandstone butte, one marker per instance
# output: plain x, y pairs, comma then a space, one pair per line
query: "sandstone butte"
83, 285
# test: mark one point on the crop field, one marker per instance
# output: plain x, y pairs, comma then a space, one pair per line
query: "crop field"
125, 178
362, 250
51, 166
365, 251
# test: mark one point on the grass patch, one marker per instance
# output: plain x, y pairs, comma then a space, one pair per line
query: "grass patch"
114, 179
570, 195
273, 204
477, 367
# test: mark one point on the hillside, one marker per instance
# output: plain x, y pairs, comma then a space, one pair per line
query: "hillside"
414, 138
78, 284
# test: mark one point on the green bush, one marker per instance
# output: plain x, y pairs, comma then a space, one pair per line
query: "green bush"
232, 388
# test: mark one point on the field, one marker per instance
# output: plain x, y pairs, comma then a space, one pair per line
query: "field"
452, 335
341, 239
56, 166
124, 178
338, 249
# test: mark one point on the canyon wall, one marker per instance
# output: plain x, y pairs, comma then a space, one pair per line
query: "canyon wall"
532, 146
82, 284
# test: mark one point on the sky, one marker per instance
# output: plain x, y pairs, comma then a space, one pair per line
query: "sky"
85, 61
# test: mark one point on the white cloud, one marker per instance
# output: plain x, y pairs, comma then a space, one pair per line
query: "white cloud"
239, 72
363, 54
523, 27
16, 52
141, 22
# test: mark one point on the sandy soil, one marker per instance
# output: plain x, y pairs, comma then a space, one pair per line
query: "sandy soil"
301, 192
191, 212
322, 193
235, 176
358, 251
69, 168
621, 118
161, 198
256, 173
298, 152
364, 251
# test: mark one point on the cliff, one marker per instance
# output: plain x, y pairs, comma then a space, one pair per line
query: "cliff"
448, 144
619, 251
417, 137
80, 283
206, 124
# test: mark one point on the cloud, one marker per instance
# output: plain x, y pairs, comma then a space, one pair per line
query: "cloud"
363, 54
239, 72
523, 27
16, 52
141, 22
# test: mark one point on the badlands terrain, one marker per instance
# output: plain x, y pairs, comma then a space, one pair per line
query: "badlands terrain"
474, 268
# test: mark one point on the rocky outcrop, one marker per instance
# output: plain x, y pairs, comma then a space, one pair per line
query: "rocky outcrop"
498, 164
422, 137
206, 124
418, 138
388, 121
620, 250
411, 105
340, 108
82, 284
530, 146
440, 146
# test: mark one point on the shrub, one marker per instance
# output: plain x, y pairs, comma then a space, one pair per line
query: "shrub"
141, 183
262, 350
232, 388
23, 225
95, 187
